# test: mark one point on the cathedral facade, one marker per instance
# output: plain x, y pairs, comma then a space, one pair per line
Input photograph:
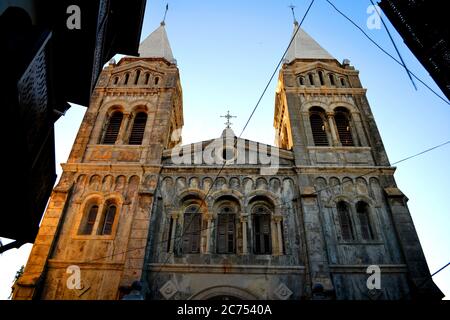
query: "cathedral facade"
313, 217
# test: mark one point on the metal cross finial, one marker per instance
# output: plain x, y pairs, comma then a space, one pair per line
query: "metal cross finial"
228, 116
163, 22
293, 13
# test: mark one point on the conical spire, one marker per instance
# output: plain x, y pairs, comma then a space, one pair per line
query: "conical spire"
305, 47
156, 45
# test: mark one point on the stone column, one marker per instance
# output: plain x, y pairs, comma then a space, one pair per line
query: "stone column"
123, 128
174, 216
333, 129
244, 219
278, 220
208, 230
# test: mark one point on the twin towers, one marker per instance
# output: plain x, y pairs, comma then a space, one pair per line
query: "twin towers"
125, 210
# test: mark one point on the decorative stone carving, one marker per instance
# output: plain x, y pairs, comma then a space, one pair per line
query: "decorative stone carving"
168, 290
283, 292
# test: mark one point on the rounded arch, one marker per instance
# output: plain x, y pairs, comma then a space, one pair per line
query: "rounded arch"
120, 183
218, 201
95, 182
315, 103
260, 195
140, 105
87, 214
339, 198
230, 193
218, 291
189, 196
351, 108
365, 199
92, 197
316, 109
342, 109
107, 183
126, 78
115, 197
138, 108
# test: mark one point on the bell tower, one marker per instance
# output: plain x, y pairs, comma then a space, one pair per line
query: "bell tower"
321, 106
353, 212
92, 240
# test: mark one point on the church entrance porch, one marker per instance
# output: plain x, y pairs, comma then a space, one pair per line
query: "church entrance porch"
208, 282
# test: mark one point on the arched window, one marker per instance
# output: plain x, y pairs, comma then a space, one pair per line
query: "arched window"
113, 127
192, 229
302, 81
138, 129
343, 84
345, 221
116, 80
262, 237
364, 220
331, 77
226, 230
88, 222
156, 81
311, 79
322, 81
105, 227
342, 119
147, 77
127, 77
138, 74
316, 119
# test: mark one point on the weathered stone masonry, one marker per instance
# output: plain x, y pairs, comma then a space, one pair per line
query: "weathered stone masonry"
125, 209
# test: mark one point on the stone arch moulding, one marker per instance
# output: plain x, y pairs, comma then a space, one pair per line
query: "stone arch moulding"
315, 103
117, 196
140, 105
273, 198
212, 292
333, 202
239, 197
114, 105
349, 106
366, 199
196, 193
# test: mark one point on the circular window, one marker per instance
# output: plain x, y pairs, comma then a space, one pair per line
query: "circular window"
228, 154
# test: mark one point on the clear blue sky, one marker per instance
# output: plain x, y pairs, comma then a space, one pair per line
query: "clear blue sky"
226, 52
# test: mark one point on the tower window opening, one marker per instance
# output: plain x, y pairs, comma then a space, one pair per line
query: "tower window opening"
343, 84
113, 128
116, 80
138, 74
318, 128
147, 77
89, 221
108, 220
342, 119
302, 81
127, 77
311, 79
331, 77
322, 82
138, 129
156, 81
345, 221
364, 221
